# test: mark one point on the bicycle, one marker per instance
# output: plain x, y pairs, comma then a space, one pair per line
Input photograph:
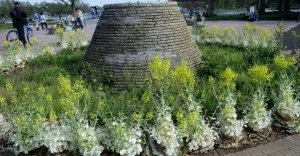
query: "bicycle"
13, 34
76, 25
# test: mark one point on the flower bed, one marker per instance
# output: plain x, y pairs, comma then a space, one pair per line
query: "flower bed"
178, 111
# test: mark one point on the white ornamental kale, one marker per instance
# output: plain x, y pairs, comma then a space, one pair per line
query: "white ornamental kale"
198, 134
288, 107
25, 134
5, 126
203, 137
165, 133
126, 140
229, 125
88, 142
258, 117
58, 137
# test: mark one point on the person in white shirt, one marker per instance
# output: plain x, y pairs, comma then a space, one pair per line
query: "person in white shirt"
252, 10
43, 21
79, 17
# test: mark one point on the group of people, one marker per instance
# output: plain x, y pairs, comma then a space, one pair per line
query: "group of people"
19, 20
42, 18
94, 11
251, 14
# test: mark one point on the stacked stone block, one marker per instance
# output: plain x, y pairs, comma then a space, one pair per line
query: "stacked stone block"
128, 35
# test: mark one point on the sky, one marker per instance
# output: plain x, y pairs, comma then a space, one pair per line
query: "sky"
97, 2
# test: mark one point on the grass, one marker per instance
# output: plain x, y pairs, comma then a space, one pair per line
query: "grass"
6, 26
45, 69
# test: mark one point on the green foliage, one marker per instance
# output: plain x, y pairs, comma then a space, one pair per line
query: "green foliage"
217, 58
6, 26
67, 59
47, 76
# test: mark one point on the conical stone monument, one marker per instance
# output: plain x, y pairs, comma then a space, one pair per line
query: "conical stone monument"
128, 35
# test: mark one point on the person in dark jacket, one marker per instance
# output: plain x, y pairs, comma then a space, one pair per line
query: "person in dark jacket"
19, 16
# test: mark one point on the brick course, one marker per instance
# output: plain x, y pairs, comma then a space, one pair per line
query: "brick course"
129, 34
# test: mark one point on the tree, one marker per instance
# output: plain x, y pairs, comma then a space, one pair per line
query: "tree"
210, 8
70, 3
261, 7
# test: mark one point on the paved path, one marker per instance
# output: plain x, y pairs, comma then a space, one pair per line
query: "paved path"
288, 146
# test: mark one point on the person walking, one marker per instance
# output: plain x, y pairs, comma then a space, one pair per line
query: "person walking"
43, 21
252, 12
19, 19
36, 19
92, 9
79, 17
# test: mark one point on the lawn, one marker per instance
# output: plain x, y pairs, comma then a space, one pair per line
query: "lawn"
47, 106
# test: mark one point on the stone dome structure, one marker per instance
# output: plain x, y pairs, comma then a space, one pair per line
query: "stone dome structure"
128, 35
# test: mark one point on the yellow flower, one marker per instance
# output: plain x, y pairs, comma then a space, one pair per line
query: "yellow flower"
211, 80
52, 116
228, 77
34, 40
171, 98
16, 42
260, 73
6, 44
183, 76
49, 97
9, 87
79, 31
26, 90
265, 33
193, 117
93, 116
59, 31
221, 97
2, 100
16, 121
227, 110
149, 115
214, 28
183, 123
44, 44
284, 62
146, 96
136, 116
70, 34
101, 104
41, 90
179, 115
159, 68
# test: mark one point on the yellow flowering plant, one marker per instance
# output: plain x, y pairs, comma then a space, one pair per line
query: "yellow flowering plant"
260, 74
228, 78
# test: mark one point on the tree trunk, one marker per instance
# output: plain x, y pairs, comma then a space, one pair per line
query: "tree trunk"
280, 5
210, 9
287, 6
262, 7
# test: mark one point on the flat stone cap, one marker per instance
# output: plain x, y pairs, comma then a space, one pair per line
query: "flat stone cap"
138, 4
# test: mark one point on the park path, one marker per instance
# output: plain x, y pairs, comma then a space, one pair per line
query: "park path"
287, 146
